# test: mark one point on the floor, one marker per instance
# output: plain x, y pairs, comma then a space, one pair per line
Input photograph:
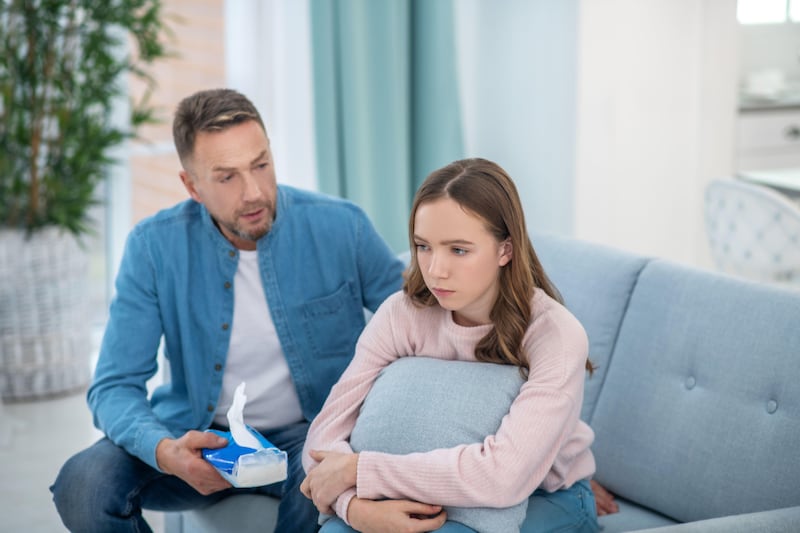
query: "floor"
36, 437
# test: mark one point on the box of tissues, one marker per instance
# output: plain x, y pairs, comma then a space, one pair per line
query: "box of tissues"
249, 459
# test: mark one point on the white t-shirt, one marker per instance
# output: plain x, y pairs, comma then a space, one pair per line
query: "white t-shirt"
255, 356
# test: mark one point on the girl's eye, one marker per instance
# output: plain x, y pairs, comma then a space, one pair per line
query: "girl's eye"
459, 251
422, 247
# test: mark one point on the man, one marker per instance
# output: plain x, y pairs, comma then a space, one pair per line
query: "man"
247, 281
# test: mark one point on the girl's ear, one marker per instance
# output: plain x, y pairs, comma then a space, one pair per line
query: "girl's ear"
506, 252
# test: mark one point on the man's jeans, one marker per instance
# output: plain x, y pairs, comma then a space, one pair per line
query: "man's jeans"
104, 489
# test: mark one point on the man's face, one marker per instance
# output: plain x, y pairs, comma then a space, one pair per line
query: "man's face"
231, 172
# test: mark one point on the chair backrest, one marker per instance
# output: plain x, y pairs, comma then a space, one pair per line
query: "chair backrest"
753, 231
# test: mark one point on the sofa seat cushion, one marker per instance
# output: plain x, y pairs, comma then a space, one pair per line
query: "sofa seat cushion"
632, 517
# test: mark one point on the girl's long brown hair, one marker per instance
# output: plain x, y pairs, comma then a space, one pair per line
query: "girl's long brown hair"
484, 189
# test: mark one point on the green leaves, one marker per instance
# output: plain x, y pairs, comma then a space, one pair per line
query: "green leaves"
62, 67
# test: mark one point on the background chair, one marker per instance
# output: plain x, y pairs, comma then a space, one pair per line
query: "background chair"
753, 231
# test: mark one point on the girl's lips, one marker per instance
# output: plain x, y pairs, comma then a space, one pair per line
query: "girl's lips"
442, 292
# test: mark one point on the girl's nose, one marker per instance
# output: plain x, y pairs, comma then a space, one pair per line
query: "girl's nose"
438, 266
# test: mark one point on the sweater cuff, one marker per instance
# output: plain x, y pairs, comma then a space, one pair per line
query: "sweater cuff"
343, 503
365, 487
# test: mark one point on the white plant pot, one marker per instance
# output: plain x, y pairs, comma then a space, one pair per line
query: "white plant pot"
45, 334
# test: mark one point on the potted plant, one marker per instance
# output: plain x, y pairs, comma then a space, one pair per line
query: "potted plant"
64, 66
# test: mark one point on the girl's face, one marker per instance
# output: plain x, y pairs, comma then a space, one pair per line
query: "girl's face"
459, 259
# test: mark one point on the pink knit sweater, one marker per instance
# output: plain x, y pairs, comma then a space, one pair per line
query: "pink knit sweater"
541, 442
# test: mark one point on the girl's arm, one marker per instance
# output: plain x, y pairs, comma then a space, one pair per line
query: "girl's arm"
330, 431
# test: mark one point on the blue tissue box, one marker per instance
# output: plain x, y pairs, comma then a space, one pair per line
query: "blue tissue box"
247, 467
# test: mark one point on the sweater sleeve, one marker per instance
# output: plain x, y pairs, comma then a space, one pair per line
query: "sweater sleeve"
331, 428
535, 439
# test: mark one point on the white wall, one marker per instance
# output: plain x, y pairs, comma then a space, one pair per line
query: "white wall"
656, 111
517, 70
268, 58
611, 115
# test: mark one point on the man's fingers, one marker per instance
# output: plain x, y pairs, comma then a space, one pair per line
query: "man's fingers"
205, 439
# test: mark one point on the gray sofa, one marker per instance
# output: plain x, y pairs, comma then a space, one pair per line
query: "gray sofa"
695, 403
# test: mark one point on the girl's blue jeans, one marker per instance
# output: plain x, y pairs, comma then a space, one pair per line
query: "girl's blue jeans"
104, 489
569, 510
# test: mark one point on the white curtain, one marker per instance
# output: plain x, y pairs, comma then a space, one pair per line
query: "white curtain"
268, 58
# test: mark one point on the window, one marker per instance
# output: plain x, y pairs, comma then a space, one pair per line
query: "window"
768, 11
794, 11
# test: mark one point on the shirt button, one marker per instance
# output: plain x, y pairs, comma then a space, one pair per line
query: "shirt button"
690, 382
210, 408
232, 253
227, 284
218, 367
225, 327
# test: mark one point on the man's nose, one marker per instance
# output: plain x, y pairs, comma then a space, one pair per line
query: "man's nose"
252, 189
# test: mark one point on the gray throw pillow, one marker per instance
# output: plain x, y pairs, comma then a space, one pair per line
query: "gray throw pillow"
418, 404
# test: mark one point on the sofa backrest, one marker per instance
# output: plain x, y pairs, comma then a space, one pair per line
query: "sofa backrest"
699, 413
595, 282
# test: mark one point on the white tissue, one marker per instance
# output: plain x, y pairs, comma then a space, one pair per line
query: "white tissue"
239, 432
261, 467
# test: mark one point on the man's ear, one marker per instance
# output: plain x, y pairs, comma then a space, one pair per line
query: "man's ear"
506, 252
188, 183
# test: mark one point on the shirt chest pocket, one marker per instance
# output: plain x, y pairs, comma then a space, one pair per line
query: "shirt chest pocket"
333, 323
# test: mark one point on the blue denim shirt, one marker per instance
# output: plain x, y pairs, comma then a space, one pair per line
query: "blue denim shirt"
321, 264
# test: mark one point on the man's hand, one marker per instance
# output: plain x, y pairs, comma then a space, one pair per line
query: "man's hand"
388, 516
335, 473
603, 499
183, 458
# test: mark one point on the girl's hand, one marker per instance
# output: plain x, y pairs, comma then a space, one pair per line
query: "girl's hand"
335, 473
604, 500
387, 516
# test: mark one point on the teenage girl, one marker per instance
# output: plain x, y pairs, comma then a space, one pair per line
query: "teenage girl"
474, 291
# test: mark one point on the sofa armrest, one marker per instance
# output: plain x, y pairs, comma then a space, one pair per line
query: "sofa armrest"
783, 520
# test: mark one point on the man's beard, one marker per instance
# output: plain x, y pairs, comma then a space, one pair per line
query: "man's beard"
255, 233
